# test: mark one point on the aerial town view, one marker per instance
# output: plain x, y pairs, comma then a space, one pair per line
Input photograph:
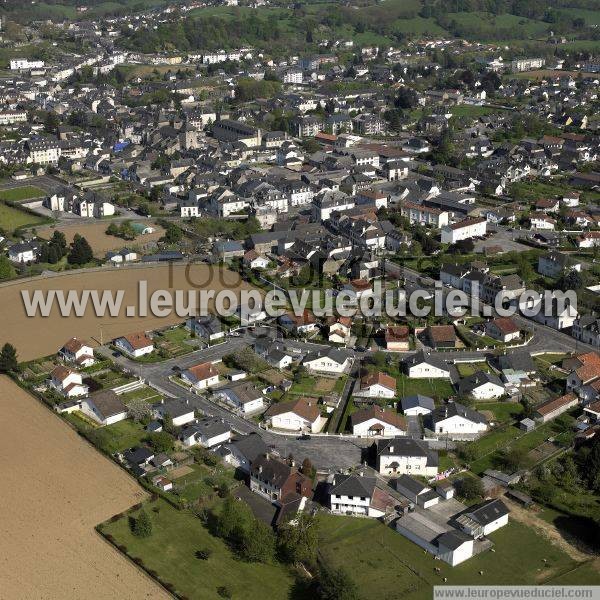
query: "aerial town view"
299, 300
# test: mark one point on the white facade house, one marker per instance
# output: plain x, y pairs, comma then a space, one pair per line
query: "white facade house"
201, 376
377, 385
77, 351
67, 382
376, 421
454, 547
209, 432
243, 396
454, 418
421, 366
105, 407
181, 412
327, 361
23, 253
481, 386
135, 344
405, 456
354, 495
464, 230
23, 64
302, 414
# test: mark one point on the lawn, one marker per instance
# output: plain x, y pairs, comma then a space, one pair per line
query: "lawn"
144, 393
170, 552
202, 481
25, 192
503, 411
435, 388
12, 218
390, 566
112, 438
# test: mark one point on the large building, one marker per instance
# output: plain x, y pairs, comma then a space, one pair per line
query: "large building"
464, 230
227, 130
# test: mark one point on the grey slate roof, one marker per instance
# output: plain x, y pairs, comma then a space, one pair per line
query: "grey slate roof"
489, 512
353, 485
454, 408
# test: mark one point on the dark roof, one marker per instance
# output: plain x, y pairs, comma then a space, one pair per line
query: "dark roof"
454, 408
453, 539
401, 447
273, 470
420, 357
417, 400
353, 485
411, 484
175, 408
472, 382
489, 512
518, 361
251, 446
138, 455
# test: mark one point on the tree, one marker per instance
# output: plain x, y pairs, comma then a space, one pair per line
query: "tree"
142, 526
160, 442
573, 280
139, 409
297, 542
8, 358
513, 459
6, 269
233, 518
336, 584
257, 543
470, 488
406, 98
81, 252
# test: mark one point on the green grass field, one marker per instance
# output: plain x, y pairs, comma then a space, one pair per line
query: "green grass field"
502, 411
24, 192
13, 218
112, 438
390, 566
436, 388
170, 551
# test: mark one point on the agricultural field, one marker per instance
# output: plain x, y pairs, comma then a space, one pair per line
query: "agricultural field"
21, 330
59, 508
95, 234
170, 551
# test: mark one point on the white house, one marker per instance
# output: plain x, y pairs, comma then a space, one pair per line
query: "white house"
302, 414
105, 407
376, 421
464, 230
180, 412
23, 253
135, 344
356, 495
541, 221
329, 360
454, 547
503, 329
481, 386
243, 396
377, 385
207, 327
416, 491
417, 405
67, 382
405, 456
77, 351
201, 376
207, 432
455, 419
422, 365
485, 519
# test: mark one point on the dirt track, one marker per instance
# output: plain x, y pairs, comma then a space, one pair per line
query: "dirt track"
55, 489
38, 336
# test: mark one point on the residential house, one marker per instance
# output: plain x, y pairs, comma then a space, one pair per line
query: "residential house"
360, 495
422, 365
105, 407
403, 455
135, 344
331, 361
397, 338
244, 396
179, 411
242, 452
78, 352
555, 264
201, 376
464, 230
503, 329
417, 405
586, 329
277, 480
481, 386
453, 418
206, 327
339, 329
67, 382
301, 414
377, 421
208, 432
440, 336
416, 491
377, 385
